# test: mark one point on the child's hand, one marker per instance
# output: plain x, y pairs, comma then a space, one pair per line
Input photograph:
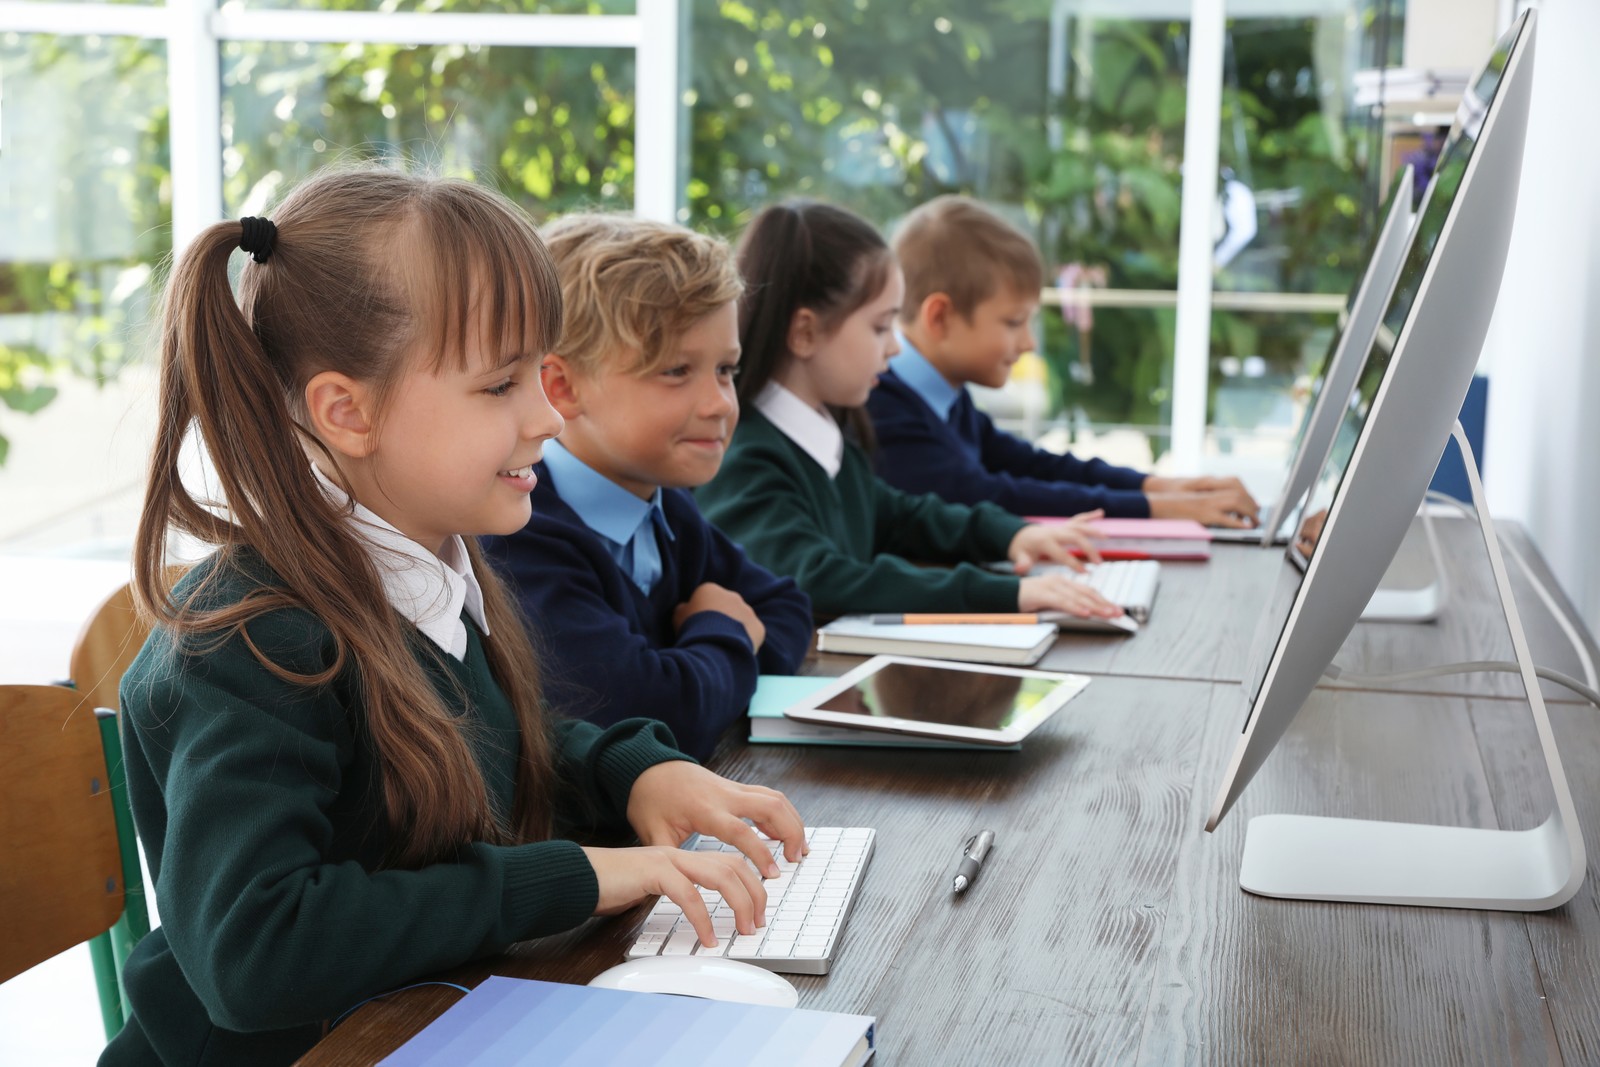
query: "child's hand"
1058, 542
672, 800
1058, 592
629, 875
710, 596
1208, 501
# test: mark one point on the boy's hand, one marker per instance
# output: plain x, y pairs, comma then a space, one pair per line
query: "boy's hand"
1229, 504
712, 597
1058, 592
1058, 542
628, 875
672, 800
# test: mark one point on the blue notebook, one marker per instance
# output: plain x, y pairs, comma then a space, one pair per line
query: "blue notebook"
769, 725
513, 1021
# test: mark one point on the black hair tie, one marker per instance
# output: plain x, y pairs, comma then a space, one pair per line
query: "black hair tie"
258, 237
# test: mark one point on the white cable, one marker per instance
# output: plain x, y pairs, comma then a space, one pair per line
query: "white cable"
1336, 673
1563, 619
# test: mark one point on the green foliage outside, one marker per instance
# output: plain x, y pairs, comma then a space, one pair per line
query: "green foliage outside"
875, 104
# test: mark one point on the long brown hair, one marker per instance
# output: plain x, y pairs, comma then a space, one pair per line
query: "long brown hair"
804, 254
368, 265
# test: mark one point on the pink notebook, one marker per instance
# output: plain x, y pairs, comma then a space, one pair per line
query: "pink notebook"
1172, 539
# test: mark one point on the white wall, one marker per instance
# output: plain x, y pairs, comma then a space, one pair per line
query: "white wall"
1543, 351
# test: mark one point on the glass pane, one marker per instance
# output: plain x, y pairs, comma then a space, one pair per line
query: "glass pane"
87, 216
1071, 126
516, 7
1298, 190
553, 128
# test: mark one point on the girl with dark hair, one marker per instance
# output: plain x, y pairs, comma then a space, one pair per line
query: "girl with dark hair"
336, 751
796, 490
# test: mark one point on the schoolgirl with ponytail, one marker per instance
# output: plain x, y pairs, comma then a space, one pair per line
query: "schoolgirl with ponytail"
336, 750
797, 489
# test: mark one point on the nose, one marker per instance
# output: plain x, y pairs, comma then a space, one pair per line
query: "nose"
1027, 340
894, 344
719, 400
540, 421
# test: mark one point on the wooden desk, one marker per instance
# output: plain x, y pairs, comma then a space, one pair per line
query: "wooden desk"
1109, 928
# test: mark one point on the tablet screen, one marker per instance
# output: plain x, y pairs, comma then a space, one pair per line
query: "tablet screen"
944, 696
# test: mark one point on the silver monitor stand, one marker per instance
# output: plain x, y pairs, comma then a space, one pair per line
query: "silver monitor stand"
1308, 857
1421, 604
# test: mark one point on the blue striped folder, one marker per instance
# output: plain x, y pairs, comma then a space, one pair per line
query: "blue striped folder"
513, 1021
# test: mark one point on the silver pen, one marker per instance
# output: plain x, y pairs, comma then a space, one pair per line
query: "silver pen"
972, 855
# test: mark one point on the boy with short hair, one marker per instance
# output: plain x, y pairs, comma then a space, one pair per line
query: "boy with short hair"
644, 606
972, 286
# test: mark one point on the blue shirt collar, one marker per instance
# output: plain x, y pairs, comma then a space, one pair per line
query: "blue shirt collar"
603, 505
913, 368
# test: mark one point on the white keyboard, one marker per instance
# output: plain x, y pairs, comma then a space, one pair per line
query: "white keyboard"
807, 905
1130, 583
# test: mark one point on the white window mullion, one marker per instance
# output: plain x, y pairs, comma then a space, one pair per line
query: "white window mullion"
1201, 129
658, 108
194, 80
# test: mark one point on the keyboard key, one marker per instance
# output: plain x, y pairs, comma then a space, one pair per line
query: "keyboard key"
807, 904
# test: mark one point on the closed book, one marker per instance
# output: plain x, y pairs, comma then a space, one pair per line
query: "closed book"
858, 635
1169, 539
776, 692
514, 1022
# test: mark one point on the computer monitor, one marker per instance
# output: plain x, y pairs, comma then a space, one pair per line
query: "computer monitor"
1334, 380
1413, 381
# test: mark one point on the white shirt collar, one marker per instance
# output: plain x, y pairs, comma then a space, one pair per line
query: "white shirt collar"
814, 431
428, 591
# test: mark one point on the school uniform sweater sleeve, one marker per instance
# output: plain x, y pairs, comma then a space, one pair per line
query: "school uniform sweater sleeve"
777, 600
238, 784
603, 664
968, 460
846, 540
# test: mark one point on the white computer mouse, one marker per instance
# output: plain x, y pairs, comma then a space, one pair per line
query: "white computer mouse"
711, 977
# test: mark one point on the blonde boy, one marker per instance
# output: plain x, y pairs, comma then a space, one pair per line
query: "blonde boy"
972, 287
645, 608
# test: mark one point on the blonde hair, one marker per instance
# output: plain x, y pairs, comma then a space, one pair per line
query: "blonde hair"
632, 288
957, 246
368, 266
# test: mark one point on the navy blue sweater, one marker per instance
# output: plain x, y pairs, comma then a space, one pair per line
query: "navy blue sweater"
967, 461
613, 652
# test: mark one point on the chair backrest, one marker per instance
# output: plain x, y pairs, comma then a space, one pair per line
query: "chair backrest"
61, 876
109, 641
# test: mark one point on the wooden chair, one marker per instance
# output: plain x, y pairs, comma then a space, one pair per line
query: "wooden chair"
107, 644
71, 869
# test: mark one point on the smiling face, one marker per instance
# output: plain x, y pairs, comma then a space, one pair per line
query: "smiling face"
667, 427
983, 348
842, 366
454, 448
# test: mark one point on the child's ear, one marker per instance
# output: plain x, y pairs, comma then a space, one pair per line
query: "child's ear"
563, 386
934, 315
805, 333
343, 414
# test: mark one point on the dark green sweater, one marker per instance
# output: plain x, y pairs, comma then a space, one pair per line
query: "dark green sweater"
260, 807
849, 541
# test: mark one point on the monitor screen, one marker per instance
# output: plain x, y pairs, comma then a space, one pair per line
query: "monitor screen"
1411, 384
1428, 228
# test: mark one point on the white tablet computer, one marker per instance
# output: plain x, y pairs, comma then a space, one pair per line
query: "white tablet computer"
936, 698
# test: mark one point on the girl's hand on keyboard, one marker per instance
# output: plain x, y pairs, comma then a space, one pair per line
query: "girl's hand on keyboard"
628, 875
1058, 592
672, 800
1057, 542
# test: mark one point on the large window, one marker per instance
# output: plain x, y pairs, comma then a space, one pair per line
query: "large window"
1077, 119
